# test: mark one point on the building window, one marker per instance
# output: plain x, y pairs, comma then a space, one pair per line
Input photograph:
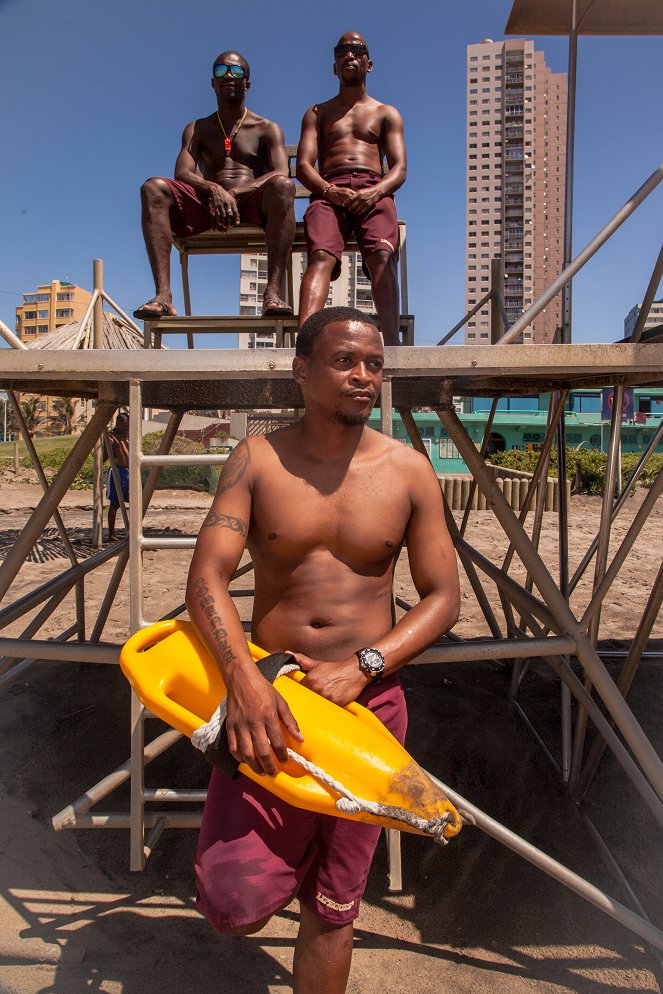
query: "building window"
42, 314
63, 312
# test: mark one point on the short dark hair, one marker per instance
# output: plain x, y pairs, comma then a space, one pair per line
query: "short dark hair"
242, 61
314, 326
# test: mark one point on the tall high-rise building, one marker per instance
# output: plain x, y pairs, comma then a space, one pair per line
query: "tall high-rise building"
351, 289
654, 318
49, 307
516, 155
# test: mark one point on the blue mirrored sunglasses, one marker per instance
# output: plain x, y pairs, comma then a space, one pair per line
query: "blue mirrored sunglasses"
354, 47
221, 70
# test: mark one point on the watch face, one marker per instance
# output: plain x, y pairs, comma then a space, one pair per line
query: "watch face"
371, 661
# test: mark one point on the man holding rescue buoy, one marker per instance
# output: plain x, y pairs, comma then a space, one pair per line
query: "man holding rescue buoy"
324, 507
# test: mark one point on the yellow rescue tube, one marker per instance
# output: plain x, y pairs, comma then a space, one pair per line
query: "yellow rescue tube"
176, 678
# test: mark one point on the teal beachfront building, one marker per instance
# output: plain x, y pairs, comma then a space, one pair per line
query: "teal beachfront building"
520, 423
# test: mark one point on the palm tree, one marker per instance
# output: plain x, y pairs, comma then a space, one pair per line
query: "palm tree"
31, 415
64, 416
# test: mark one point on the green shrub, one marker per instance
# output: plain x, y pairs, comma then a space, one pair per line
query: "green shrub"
204, 478
585, 467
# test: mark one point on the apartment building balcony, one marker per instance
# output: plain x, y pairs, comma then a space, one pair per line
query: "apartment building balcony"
514, 77
514, 110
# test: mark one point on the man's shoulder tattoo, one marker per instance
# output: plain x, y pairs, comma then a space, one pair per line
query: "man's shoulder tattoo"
236, 465
216, 520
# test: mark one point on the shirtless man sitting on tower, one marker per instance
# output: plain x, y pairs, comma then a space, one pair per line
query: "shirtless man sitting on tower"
324, 507
349, 136
243, 177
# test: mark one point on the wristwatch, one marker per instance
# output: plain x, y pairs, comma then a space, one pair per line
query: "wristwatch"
371, 662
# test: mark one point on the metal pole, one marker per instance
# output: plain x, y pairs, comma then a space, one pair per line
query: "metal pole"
11, 338
551, 867
590, 249
58, 488
623, 497
484, 448
599, 566
634, 530
568, 179
98, 457
587, 656
62, 531
648, 298
497, 288
136, 762
386, 404
626, 676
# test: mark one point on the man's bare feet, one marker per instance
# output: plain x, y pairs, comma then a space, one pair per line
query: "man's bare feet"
273, 306
157, 307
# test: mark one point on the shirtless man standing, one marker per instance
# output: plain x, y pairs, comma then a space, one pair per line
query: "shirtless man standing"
349, 136
245, 178
118, 439
324, 507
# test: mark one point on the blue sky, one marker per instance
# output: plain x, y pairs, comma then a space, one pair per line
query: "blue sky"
95, 97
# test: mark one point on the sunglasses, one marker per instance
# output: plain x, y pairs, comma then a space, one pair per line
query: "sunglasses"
221, 70
354, 47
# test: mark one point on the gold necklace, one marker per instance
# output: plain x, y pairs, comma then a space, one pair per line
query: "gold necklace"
234, 132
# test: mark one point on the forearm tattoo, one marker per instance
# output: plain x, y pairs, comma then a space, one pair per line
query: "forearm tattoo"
235, 467
216, 520
215, 622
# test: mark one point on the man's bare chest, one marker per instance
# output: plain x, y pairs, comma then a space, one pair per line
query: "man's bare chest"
363, 519
365, 126
245, 150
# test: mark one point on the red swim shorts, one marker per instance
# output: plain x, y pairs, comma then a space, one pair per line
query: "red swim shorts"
328, 227
192, 211
256, 851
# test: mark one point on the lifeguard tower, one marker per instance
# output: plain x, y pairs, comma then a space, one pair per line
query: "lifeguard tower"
536, 620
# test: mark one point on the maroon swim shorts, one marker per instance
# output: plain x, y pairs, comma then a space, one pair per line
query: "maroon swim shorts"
192, 211
256, 851
328, 227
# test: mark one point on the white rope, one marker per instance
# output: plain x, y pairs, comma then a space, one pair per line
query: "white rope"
207, 733
348, 802
352, 804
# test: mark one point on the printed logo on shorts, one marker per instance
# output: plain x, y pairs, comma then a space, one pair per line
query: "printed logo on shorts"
334, 905
386, 241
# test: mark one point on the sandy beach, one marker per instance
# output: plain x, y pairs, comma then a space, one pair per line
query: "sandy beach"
472, 917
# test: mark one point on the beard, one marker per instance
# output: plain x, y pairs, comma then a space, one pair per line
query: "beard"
349, 420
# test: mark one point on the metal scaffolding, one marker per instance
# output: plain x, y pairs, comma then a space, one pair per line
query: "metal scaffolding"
535, 620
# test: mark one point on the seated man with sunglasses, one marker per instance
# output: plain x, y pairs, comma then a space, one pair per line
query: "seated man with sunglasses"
232, 168
348, 137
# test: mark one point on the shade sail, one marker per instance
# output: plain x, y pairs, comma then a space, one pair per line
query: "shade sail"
594, 17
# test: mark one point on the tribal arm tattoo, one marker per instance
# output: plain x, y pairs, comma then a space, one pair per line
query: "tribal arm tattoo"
235, 467
216, 520
214, 620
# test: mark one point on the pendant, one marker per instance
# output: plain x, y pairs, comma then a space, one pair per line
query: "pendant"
227, 145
